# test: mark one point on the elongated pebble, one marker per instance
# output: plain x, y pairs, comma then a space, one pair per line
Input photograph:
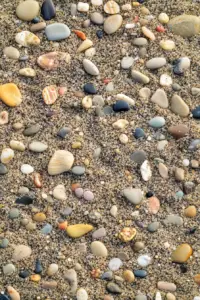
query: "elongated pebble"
90, 67
139, 77
148, 33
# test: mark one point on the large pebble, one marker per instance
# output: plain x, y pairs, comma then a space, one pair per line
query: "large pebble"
179, 107
99, 233
112, 24
4, 243
97, 18
156, 63
113, 288
173, 220
146, 171
14, 213
120, 124
182, 253
196, 112
140, 273
185, 25
111, 7
53, 60
8, 269
36, 146
99, 249
11, 52
78, 170
27, 10
166, 286
26, 169
27, 72
90, 67
60, 162
133, 195
153, 227
153, 205
160, 98
48, 10
140, 42
121, 105
82, 294
27, 38
139, 77
57, 32
141, 297
83, 7
78, 230
178, 131
16, 145
21, 252
138, 156
7, 155
10, 94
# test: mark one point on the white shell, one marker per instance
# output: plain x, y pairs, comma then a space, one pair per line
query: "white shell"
146, 170
90, 67
83, 7
27, 169
60, 162
82, 294
125, 98
6, 155
165, 80
111, 7
27, 38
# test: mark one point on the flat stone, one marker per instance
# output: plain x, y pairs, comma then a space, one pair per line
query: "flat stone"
160, 98
166, 286
21, 252
59, 192
145, 93
140, 273
156, 63
178, 131
138, 156
182, 253
185, 25
153, 205
139, 77
133, 195
153, 227
179, 174
99, 249
157, 122
31, 130
53, 60
11, 52
83, 7
66, 212
36, 146
97, 18
195, 91
138, 246
163, 170
144, 260
179, 107
99, 233
140, 42
78, 230
48, 10
98, 101
38, 27
27, 10
113, 288
57, 32
112, 24
127, 62
173, 220
78, 170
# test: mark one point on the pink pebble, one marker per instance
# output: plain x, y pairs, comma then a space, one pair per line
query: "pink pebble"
62, 90
88, 195
78, 192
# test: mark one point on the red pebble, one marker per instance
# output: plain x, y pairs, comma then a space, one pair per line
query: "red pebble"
160, 28
107, 80
62, 90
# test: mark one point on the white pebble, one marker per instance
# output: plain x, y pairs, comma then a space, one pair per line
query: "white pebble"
6, 155
158, 296
83, 7
186, 162
125, 98
115, 264
27, 169
97, 2
113, 211
123, 138
146, 170
130, 26
144, 260
165, 80
82, 294
163, 18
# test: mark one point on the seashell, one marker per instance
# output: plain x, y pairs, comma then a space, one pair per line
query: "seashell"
167, 45
84, 45
52, 60
90, 67
16, 145
125, 98
52, 269
83, 7
60, 162
50, 94
27, 38
27, 72
27, 169
10, 94
7, 155
163, 18
153, 205
111, 7
148, 33
37, 178
127, 234
3, 117
87, 102
165, 80
146, 170
14, 295
78, 230
120, 124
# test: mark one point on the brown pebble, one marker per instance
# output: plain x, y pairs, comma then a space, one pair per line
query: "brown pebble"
194, 164
190, 211
35, 277
75, 186
49, 285
197, 279
182, 253
38, 26
178, 131
128, 276
39, 217
138, 246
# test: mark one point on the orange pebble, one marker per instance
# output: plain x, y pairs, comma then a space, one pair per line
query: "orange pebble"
160, 28
62, 90
37, 180
80, 34
74, 186
63, 225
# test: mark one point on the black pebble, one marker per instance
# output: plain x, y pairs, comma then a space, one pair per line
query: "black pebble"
26, 200
149, 194
4, 297
99, 34
89, 88
24, 274
183, 268
196, 112
139, 132
121, 105
48, 10
38, 267
191, 230
36, 20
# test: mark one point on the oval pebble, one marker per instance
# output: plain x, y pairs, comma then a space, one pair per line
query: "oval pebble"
36, 146
115, 264
82, 294
26, 169
99, 249
57, 31
78, 170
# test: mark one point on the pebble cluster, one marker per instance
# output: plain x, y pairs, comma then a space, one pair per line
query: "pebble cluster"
99, 159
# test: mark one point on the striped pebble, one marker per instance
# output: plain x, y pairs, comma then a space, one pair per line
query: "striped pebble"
50, 94
111, 7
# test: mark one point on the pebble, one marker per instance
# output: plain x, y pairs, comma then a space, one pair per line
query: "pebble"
99, 249
4, 243
123, 138
11, 52
10, 94
50, 94
156, 63
153, 227
190, 211
27, 72
158, 296
195, 91
178, 131
140, 297
114, 211
179, 107
153, 205
111, 7
27, 38
90, 52
38, 147
138, 156
14, 213
25, 200
21, 252
166, 286
145, 93
140, 273
148, 33
99, 233
88, 195
165, 80
57, 32
48, 10
163, 18
145, 170
82, 294
83, 7
39, 217
129, 100
49, 285
140, 42
157, 122
134, 196
170, 296
139, 133
86, 44
196, 112
115, 264
59, 192
27, 10
194, 144
60, 162
161, 145
97, 18
185, 25
78, 170
7, 155
173, 220
176, 87
79, 192
35, 277
38, 27
52, 269
16, 145
31, 130
144, 260
63, 132
179, 174
53, 60
112, 24
182, 253
14, 295
160, 98
139, 77
167, 45
142, 52
113, 288
78, 230
4, 117
163, 170
120, 106
90, 88
38, 267
127, 62
120, 124
8, 269
128, 276
47, 229
24, 274
181, 65
90, 67
26, 169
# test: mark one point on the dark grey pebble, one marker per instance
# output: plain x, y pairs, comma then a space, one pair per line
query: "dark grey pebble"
38, 267
48, 10
3, 169
138, 156
78, 170
113, 288
66, 212
107, 275
26, 200
90, 88
24, 274
63, 132
24, 58
99, 34
176, 87
4, 243
31, 130
121, 105
196, 112
35, 20
140, 273
139, 133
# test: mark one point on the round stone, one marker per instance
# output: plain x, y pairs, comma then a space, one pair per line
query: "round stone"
48, 10
14, 213
156, 63
90, 88
160, 98
153, 227
31, 130
21, 252
140, 273
57, 32
8, 269
144, 260
11, 52
138, 246
96, 18
82, 294
139, 133
121, 105
196, 112
26, 169
113, 288
4, 243
182, 253
185, 25
178, 131
27, 10
138, 156
52, 269
3, 169
78, 170
190, 211
163, 18
90, 67
88, 195
115, 264
99, 249
157, 122
133, 195
47, 229
111, 7
39, 217
179, 107
128, 276
112, 24
127, 62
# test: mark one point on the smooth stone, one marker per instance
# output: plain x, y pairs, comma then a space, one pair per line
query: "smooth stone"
156, 63
57, 32
36, 146
38, 27
26, 169
83, 7
25, 200
10, 94
188, 187
3, 169
111, 7
140, 273
73, 9
176, 87
148, 33
38, 267
90, 88
157, 122
195, 91
173, 220
78, 230
160, 98
196, 112
89, 53
141, 297
166, 80
4, 243
24, 274
115, 264
113, 288
11, 52
185, 25
7, 155
23, 190
39, 217
179, 107
60, 162
88, 195
140, 42
178, 131
138, 246
79, 192
82, 294
27, 10
71, 277
110, 87
114, 211
144, 260
107, 275
134, 196
31, 130
190, 211
153, 227
166, 286
9, 269
59, 192
167, 45
129, 100
99, 249
138, 156
21, 252
14, 213
49, 285
98, 101
63, 132
139, 77
127, 62
139, 133
142, 52
90, 67
78, 170
97, 18
52, 269
128, 276
120, 124
145, 93
145, 170
182, 253
48, 10
99, 233
97, 152
179, 174
163, 170
194, 145
163, 18
120, 106
16, 145
112, 24
46, 229
181, 65
66, 212
53, 60
27, 38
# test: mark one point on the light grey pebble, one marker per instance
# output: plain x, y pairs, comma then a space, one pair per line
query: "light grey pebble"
8, 269
14, 213
4, 243
133, 195
194, 145
114, 211
140, 42
141, 297
99, 233
176, 87
113, 288
142, 52
139, 156
97, 152
173, 220
115, 264
31, 130
73, 9
78, 170
98, 100
108, 110
153, 227
23, 190
97, 18
123, 256
66, 212
36, 146
156, 63
127, 62
110, 87
3, 169
107, 275
195, 91
71, 277
63, 132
